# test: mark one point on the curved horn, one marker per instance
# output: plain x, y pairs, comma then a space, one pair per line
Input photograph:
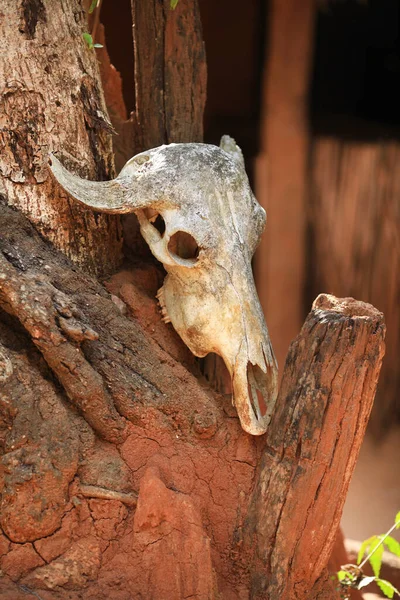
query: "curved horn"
105, 196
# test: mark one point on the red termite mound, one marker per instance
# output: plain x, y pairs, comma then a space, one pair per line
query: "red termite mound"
69, 511
126, 476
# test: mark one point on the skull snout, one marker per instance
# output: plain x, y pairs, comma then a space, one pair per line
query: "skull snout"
218, 310
254, 370
254, 392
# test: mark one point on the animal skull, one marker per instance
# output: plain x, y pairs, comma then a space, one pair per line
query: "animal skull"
212, 224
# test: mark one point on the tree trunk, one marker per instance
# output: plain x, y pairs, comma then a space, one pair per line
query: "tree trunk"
51, 101
123, 474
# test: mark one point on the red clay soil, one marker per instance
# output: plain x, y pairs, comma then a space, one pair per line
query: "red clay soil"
191, 467
123, 476
106, 549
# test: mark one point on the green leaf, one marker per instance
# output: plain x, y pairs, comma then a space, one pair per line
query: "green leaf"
88, 39
174, 4
364, 547
93, 5
397, 520
376, 558
345, 577
365, 581
392, 545
97, 45
387, 588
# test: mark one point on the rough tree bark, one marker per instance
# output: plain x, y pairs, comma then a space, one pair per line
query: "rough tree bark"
51, 100
122, 474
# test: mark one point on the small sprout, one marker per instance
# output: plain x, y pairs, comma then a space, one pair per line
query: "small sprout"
89, 41
345, 575
376, 552
94, 4
364, 547
351, 576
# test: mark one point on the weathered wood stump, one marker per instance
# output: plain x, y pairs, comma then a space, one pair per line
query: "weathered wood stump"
326, 396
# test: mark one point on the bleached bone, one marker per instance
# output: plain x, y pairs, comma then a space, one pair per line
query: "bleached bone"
198, 214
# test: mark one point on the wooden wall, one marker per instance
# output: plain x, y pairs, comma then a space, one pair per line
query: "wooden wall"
355, 248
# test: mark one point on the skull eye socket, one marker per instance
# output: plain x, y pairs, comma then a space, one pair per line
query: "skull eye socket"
182, 245
156, 220
159, 224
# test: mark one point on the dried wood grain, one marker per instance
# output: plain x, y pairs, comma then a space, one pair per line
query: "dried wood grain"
170, 72
322, 411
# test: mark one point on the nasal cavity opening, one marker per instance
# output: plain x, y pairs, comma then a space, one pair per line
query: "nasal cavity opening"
183, 245
254, 378
156, 220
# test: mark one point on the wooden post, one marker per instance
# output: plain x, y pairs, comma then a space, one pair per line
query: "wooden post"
326, 396
170, 84
280, 170
170, 72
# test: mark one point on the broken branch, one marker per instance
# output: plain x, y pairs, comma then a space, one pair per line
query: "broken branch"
312, 445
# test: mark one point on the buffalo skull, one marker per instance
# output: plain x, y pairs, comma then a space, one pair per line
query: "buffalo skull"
200, 218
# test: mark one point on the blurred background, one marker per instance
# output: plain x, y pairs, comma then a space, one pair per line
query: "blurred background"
310, 91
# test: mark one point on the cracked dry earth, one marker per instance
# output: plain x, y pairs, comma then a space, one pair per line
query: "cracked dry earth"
123, 476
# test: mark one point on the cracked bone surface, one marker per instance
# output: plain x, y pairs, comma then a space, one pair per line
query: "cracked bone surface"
200, 218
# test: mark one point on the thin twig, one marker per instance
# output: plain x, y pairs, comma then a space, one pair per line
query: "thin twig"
380, 543
96, 20
93, 491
